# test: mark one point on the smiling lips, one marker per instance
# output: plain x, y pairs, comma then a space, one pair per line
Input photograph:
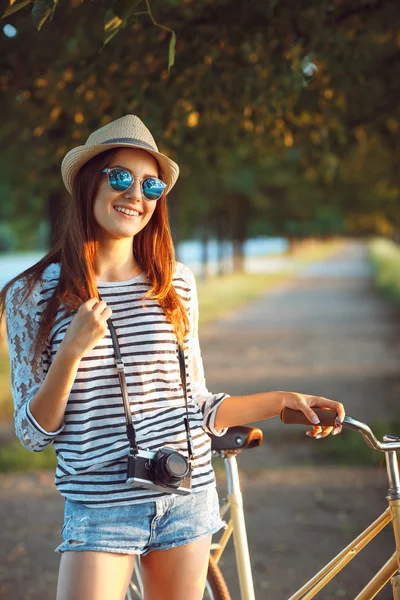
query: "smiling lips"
127, 211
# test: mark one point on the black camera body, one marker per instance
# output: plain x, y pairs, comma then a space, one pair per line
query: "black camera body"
165, 470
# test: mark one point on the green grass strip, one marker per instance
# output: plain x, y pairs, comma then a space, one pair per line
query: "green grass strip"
385, 256
14, 457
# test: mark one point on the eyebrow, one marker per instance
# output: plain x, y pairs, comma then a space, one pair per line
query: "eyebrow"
126, 168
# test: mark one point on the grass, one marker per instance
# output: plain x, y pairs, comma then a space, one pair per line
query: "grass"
385, 256
217, 296
14, 457
220, 295
6, 404
316, 250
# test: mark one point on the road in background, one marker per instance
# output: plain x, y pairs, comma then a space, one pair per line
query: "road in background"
326, 332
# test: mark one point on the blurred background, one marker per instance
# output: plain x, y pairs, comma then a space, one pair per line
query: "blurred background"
284, 118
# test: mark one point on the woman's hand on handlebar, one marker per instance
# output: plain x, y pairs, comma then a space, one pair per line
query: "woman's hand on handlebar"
87, 328
304, 402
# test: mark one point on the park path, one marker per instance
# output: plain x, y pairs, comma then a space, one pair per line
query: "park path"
326, 332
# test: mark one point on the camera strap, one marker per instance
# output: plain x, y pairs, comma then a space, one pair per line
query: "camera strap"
130, 428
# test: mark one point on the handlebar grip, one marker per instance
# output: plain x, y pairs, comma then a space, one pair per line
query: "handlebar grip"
327, 417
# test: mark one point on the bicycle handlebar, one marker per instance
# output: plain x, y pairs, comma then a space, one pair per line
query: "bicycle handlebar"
329, 418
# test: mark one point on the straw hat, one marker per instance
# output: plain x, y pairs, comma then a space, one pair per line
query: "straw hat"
126, 132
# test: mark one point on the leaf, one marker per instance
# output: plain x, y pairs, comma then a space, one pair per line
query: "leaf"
15, 8
111, 21
171, 55
40, 13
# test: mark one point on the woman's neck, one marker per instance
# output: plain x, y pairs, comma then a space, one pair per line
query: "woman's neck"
116, 263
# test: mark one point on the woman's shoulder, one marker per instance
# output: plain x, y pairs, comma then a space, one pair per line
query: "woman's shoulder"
17, 293
50, 275
185, 273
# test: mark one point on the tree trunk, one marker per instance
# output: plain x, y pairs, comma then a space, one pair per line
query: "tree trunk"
293, 243
238, 256
55, 207
204, 253
240, 214
220, 230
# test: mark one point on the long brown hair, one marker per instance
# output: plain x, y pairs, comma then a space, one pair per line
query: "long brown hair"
76, 248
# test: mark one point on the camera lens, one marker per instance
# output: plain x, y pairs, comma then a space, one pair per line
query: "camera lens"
176, 465
171, 467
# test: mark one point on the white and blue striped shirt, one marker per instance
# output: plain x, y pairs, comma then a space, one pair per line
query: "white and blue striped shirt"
92, 444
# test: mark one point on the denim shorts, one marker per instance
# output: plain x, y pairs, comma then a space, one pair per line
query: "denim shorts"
140, 528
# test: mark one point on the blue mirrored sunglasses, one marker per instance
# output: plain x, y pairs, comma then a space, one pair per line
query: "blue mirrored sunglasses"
121, 180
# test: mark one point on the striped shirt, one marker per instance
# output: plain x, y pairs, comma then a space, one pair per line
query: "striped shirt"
92, 445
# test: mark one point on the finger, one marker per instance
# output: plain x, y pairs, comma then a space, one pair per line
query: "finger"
341, 412
322, 402
310, 414
324, 433
106, 314
99, 308
337, 429
90, 304
314, 431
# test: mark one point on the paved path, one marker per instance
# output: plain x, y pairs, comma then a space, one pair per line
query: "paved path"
328, 333
324, 333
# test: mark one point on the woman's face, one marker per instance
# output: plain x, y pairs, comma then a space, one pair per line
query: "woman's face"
112, 224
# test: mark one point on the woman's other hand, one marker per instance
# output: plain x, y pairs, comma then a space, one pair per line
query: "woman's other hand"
304, 402
87, 328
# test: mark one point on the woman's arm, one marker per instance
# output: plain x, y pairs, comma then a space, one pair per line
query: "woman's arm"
48, 405
27, 373
221, 411
240, 410
205, 400
41, 392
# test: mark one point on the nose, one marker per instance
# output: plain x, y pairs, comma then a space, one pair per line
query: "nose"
135, 191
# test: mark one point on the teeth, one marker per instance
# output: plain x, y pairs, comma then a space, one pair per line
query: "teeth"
127, 211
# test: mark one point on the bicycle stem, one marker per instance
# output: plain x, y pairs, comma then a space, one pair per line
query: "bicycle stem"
389, 446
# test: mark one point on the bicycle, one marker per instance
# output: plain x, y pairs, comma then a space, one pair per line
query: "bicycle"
239, 438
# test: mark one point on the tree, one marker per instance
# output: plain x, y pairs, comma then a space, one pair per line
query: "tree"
290, 84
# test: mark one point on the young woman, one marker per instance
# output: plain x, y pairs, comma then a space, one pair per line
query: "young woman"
114, 266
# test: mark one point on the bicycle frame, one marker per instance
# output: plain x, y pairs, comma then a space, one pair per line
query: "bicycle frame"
237, 526
389, 571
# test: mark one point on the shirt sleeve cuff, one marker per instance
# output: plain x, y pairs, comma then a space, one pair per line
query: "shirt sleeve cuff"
211, 420
39, 429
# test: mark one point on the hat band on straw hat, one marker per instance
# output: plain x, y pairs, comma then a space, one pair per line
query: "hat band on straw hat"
129, 141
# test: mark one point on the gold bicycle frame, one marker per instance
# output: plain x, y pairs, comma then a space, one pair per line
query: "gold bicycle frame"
236, 526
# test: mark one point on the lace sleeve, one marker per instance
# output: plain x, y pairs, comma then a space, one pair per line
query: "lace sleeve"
207, 402
27, 374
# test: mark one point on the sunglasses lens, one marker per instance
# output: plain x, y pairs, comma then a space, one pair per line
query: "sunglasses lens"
153, 188
120, 180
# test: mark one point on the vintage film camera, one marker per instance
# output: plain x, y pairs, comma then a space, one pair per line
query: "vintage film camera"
165, 470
